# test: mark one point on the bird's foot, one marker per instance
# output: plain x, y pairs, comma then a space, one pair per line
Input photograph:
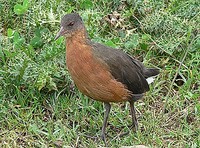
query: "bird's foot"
92, 137
103, 137
124, 134
132, 126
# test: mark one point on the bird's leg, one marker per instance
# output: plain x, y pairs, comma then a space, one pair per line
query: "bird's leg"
133, 115
134, 119
107, 107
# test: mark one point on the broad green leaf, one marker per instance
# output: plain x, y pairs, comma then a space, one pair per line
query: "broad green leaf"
144, 46
19, 9
36, 41
146, 37
18, 41
87, 4
59, 40
133, 42
38, 32
9, 54
51, 84
110, 43
41, 82
26, 4
10, 32
16, 36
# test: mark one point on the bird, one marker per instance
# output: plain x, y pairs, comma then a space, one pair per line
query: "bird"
103, 73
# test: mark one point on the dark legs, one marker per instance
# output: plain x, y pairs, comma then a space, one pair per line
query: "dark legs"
103, 136
106, 114
134, 119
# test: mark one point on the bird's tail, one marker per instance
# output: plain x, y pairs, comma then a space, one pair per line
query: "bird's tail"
150, 74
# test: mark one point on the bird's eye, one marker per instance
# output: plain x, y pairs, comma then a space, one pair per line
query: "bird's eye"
71, 24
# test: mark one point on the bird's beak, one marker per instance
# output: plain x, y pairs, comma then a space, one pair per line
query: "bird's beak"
60, 33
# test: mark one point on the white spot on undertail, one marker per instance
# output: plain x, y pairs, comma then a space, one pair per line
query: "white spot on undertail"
150, 80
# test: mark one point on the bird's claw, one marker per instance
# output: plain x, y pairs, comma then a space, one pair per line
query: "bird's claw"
103, 137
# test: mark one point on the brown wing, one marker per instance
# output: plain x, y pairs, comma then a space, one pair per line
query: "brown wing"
123, 68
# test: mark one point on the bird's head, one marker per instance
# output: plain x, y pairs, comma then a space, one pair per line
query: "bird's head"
70, 23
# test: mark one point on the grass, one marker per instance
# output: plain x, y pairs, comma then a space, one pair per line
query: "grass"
39, 105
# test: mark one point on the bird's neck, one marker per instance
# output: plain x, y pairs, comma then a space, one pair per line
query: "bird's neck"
77, 45
80, 36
